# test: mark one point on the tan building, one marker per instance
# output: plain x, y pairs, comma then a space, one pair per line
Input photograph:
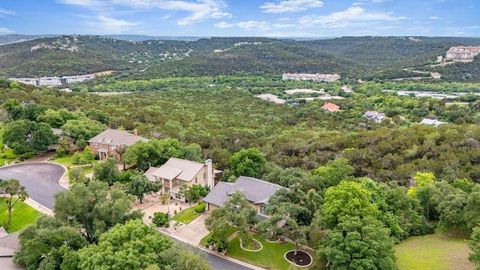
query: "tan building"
256, 191
178, 172
108, 142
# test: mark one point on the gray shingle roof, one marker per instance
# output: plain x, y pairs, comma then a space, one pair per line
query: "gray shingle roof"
116, 137
256, 191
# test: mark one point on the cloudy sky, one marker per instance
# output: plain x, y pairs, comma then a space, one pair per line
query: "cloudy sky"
281, 18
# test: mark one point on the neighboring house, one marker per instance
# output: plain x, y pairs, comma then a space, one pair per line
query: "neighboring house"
57, 132
431, 122
106, 143
331, 107
375, 116
9, 244
178, 172
257, 192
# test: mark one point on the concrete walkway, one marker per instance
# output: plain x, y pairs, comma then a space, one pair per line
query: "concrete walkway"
192, 232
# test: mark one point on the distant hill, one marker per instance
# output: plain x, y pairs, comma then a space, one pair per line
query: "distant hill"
147, 56
14, 38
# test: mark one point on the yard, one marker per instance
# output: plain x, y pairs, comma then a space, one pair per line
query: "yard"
270, 257
187, 215
22, 215
6, 154
433, 252
67, 160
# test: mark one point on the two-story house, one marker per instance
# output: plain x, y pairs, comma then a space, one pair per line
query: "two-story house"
179, 172
107, 143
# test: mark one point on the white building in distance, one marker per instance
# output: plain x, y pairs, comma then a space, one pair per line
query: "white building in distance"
462, 53
57, 81
317, 77
431, 122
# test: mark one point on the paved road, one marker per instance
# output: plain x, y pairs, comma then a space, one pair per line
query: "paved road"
217, 263
40, 180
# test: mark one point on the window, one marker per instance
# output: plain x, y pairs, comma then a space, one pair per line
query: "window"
263, 209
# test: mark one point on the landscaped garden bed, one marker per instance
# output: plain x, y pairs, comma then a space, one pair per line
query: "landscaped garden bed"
300, 258
253, 246
271, 256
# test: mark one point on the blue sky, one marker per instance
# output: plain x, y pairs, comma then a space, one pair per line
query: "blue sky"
281, 18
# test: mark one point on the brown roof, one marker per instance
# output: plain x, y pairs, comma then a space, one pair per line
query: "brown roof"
116, 137
331, 107
175, 168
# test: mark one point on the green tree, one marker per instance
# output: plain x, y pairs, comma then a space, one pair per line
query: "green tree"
43, 245
13, 108
475, 247
248, 162
236, 213
156, 152
25, 136
193, 192
334, 172
180, 258
52, 117
82, 130
358, 243
15, 193
451, 211
107, 171
132, 245
347, 199
472, 209
140, 186
94, 208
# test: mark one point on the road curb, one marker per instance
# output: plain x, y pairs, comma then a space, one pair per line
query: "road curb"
253, 267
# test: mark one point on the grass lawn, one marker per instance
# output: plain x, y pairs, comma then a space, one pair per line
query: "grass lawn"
187, 215
22, 215
67, 161
6, 155
230, 230
270, 257
433, 252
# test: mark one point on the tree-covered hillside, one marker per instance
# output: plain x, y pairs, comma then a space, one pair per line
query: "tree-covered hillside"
352, 57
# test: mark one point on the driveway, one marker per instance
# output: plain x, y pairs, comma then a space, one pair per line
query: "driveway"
40, 180
194, 231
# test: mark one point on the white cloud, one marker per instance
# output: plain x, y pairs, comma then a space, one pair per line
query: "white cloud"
111, 25
354, 14
6, 12
224, 25
434, 18
290, 6
198, 10
4, 30
246, 25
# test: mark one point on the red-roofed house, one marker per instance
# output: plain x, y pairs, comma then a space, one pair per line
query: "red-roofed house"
331, 107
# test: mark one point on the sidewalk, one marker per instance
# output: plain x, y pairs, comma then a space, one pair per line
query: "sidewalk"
40, 208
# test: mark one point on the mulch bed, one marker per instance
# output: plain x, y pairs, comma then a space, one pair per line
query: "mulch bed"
301, 259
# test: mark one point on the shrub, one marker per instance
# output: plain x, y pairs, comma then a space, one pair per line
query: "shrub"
219, 242
161, 219
200, 208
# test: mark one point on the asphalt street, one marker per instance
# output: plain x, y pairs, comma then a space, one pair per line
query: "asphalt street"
40, 180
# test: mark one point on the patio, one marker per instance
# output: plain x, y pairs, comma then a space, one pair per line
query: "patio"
152, 204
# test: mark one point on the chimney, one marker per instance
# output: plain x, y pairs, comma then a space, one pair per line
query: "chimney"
135, 132
210, 180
